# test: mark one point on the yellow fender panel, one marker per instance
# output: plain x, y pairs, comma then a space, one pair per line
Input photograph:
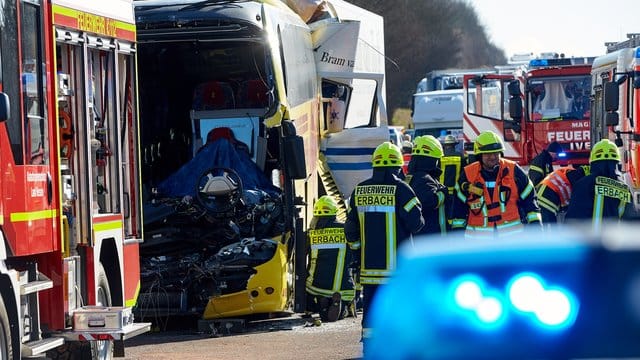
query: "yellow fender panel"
256, 299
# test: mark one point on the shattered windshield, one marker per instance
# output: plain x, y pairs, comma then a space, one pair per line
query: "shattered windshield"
559, 98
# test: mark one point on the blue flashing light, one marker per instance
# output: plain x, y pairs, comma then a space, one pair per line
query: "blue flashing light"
523, 290
553, 308
474, 300
538, 62
468, 293
562, 154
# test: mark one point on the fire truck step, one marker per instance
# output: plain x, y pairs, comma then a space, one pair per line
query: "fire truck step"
36, 347
42, 283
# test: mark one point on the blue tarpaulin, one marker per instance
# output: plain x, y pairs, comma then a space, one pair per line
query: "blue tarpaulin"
218, 154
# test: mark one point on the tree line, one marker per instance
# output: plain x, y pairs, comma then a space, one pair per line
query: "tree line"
425, 35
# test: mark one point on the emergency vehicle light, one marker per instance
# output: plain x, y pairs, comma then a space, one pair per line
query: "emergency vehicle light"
549, 62
551, 307
570, 293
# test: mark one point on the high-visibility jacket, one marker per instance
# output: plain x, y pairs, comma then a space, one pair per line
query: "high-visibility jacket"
432, 196
383, 213
493, 205
560, 184
540, 166
451, 166
329, 258
597, 197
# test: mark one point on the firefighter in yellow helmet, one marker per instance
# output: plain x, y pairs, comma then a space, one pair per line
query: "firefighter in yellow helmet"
424, 172
601, 195
383, 213
329, 284
494, 195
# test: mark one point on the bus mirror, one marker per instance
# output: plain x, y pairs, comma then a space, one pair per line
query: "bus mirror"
4, 107
293, 152
611, 96
294, 161
515, 109
612, 119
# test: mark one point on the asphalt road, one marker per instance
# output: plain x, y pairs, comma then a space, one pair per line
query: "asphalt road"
285, 338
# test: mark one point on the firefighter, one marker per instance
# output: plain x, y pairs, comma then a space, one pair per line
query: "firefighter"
330, 287
424, 170
452, 163
542, 164
554, 191
494, 195
383, 213
601, 195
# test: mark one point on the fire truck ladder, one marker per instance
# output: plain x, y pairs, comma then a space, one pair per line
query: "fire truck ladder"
31, 283
331, 188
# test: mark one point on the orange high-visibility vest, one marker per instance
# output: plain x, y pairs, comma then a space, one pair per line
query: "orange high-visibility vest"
500, 211
559, 183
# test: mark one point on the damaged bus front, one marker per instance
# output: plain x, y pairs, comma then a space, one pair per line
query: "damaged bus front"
222, 153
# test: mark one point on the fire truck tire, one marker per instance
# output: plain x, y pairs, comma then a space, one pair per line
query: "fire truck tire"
6, 349
104, 291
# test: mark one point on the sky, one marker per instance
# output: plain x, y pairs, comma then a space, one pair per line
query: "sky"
573, 27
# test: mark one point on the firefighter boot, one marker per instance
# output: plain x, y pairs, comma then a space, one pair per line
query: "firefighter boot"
335, 307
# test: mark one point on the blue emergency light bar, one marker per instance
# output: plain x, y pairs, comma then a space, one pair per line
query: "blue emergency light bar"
549, 62
563, 294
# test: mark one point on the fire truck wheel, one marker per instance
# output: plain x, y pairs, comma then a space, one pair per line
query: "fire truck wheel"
104, 292
6, 350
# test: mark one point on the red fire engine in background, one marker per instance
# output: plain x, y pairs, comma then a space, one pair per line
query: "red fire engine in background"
537, 103
616, 105
70, 210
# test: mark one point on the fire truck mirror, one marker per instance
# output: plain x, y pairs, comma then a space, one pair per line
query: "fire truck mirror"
611, 96
636, 82
612, 119
514, 88
4, 106
515, 109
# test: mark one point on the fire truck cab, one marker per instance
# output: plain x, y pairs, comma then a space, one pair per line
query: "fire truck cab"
70, 218
615, 106
543, 101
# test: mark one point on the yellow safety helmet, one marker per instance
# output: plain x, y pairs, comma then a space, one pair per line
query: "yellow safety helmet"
488, 142
427, 145
604, 149
325, 206
450, 139
387, 154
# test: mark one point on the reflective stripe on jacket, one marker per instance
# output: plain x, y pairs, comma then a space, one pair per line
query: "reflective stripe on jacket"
497, 208
329, 258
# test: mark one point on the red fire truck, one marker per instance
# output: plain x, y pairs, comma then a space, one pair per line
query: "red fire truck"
70, 206
543, 101
616, 103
